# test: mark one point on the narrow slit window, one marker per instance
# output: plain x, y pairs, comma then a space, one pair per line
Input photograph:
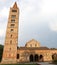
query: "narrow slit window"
17, 56
10, 41
11, 35
12, 30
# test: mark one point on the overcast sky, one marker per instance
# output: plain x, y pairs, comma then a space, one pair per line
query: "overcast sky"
37, 20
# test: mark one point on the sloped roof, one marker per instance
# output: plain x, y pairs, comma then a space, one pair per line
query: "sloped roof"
33, 48
33, 40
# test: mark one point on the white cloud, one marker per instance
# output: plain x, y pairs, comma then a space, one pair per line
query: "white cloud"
1, 32
4, 12
53, 26
49, 7
2, 0
3, 20
36, 10
3, 16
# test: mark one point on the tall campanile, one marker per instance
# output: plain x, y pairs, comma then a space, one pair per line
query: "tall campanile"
11, 39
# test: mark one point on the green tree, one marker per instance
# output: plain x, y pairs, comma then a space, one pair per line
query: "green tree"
1, 52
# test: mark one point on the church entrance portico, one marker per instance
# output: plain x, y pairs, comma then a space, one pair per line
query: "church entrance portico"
36, 58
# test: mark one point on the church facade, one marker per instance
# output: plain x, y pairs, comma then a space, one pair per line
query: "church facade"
31, 52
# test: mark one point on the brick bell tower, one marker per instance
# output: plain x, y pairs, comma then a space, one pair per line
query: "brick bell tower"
11, 39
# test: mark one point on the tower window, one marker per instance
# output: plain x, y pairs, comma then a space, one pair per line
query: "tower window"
13, 16
9, 55
10, 41
12, 21
11, 35
12, 25
10, 48
35, 45
11, 30
14, 10
17, 56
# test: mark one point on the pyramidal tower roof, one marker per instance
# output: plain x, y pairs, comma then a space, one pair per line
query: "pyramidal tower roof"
15, 5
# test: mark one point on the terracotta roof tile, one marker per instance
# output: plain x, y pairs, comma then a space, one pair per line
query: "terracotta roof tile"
33, 48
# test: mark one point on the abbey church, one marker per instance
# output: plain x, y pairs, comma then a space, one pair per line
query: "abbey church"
31, 52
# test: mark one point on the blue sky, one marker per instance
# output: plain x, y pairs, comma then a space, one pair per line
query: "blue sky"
37, 20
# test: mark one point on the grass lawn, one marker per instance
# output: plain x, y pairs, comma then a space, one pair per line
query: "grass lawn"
18, 64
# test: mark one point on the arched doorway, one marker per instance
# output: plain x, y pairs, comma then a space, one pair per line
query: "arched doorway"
36, 57
54, 56
31, 58
41, 58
